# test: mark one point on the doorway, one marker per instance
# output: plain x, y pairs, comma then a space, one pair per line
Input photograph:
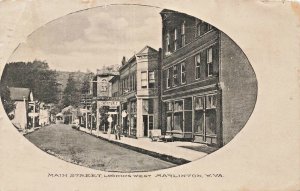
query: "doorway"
145, 124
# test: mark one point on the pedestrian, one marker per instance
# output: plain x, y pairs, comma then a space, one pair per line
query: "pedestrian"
109, 132
116, 131
119, 132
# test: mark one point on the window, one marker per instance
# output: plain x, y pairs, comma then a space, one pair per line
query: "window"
211, 101
167, 42
147, 106
178, 105
130, 83
199, 29
144, 79
183, 34
151, 79
133, 107
103, 88
209, 62
151, 122
175, 80
199, 103
135, 83
168, 78
169, 106
183, 74
197, 66
175, 40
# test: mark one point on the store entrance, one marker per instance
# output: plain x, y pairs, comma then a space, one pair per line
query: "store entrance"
145, 124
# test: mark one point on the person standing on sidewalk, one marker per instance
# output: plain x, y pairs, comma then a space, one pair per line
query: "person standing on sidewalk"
117, 132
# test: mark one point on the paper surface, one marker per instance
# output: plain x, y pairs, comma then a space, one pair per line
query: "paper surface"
265, 155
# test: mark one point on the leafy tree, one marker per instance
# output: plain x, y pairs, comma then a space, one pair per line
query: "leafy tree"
71, 94
8, 104
35, 75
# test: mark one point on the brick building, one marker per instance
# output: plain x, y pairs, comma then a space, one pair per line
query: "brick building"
139, 87
208, 86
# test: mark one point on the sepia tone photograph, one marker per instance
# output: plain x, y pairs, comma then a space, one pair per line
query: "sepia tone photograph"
128, 88
148, 95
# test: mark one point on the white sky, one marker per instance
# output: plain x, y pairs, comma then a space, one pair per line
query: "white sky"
92, 38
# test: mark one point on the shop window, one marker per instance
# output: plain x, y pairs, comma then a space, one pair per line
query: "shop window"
211, 101
183, 34
199, 103
144, 79
188, 103
133, 107
175, 79
151, 79
151, 122
178, 105
197, 66
169, 122
211, 122
209, 62
178, 121
199, 122
169, 106
183, 73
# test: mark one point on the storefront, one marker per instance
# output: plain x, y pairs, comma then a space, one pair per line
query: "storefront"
195, 118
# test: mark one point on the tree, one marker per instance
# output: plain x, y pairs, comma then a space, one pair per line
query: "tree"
8, 104
35, 75
71, 94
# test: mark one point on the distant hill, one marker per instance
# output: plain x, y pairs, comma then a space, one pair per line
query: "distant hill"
62, 78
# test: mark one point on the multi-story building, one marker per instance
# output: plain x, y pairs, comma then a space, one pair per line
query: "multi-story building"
102, 95
208, 85
138, 85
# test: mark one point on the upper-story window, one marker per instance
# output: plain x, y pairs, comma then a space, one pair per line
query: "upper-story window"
167, 42
203, 27
175, 76
175, 39
151, 78
134, 81
197, 66
144, 79
209, 62
168, 78
183, 73
183, 34
103, 88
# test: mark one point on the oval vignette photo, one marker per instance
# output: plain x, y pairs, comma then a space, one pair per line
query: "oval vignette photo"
128, 88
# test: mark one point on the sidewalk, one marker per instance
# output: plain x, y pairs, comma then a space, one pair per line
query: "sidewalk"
170, 151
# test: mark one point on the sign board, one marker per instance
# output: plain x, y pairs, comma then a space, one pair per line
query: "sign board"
33, 114
112, 113
108, 103
106, 98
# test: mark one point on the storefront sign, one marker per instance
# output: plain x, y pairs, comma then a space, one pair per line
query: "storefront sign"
108, 103
105, 98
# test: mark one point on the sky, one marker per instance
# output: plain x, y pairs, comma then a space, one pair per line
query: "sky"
93, 38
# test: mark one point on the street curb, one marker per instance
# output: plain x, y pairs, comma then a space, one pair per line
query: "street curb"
164, 157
